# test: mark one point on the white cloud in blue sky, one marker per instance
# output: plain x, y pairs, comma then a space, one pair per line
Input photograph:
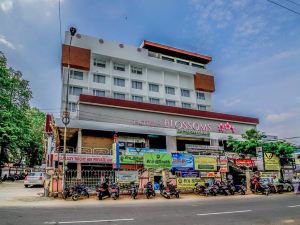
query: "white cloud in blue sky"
255, 47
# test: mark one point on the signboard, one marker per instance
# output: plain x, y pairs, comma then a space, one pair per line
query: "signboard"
189, 182
232, 155
116, 155
126, 176
223, 163
158, 160
84, 158
190, 174
207, 163
142, 151
131, 159
244, 162
193, 132
260, 159
181, 160
271, 161
297, 162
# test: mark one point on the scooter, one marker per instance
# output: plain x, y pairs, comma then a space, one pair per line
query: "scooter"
172, 189
115, 191
80, 190
149, 191
241, 189
231, 188
261, 188
199, 189
68, 192
164, 191
103, 191
133, 190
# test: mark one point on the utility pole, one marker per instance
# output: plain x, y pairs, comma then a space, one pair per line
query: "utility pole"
66, 113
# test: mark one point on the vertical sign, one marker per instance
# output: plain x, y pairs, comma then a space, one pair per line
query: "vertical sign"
260, 159
116, 155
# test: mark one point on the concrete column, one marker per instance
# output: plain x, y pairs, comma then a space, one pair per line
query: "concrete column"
79, 146
171, 144
214, 142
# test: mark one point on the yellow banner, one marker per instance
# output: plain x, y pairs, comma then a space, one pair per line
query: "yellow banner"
205, 163
189, 182
271, 161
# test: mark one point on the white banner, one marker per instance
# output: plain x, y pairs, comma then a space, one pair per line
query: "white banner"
84, 158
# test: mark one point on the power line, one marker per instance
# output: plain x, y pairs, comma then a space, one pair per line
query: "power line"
296, 3
282, 6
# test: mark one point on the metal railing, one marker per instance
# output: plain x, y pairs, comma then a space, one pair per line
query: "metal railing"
85, 150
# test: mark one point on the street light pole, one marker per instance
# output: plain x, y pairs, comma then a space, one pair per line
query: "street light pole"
66, 113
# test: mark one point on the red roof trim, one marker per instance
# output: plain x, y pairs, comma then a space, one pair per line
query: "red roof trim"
146, 44
165, 109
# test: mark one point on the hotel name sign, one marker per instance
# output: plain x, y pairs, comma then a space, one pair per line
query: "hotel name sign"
188, 126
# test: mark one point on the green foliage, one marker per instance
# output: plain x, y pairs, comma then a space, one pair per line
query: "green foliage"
253, 138
21, 128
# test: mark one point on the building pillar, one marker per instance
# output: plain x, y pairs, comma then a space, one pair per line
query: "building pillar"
214, 142
171, 144
79, 146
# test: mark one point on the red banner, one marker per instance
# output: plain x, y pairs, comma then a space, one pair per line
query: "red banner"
244, 162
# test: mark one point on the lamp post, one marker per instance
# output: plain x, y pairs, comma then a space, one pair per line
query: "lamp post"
66, 113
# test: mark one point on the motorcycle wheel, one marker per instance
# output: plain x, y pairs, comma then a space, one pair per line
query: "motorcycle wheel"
115, 197
75, 197
177, 195
168, 197
267, 193
243, 192
153, 194
87, 195
133, 196
148, 196
100, 196
232, 192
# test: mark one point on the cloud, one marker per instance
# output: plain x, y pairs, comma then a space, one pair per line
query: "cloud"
231, 102
279, 117
5, 42
6, 5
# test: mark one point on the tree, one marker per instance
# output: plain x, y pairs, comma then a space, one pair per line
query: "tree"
253, 139
17, 119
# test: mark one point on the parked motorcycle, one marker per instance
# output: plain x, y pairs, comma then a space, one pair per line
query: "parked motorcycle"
211, 190
133, 190
103, 191
222, 188
241, 189
273, 189
115, 191
231, 188
68, 192
199, 189
80, 190
149, 190
261, 188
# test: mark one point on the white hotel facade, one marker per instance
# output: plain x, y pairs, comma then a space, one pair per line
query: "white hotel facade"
151, 96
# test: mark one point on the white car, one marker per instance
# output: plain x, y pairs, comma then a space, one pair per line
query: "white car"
34, 178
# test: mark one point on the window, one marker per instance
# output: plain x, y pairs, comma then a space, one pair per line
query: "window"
198, 65
78, 75
75, 90
72, 107
167, 59
154, 100
99, 93
154, 87
136, 70
185, 93
119, 96
99, 78
99, 63
119, 82
182, 62
186, 105
202, 107
137, 85
170, 103
200, 95
137, 98
119, 66
170, 90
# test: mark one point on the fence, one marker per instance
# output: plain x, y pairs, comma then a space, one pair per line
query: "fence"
91, 178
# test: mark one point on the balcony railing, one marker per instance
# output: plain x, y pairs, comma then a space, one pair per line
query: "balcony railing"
85, 150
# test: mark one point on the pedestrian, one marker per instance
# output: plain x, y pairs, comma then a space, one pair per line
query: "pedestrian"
275, 183
296, 182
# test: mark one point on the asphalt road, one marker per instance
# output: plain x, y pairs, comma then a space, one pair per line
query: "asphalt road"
274, 209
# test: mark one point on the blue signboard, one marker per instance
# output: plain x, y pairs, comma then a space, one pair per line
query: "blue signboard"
141, 151
182, 160
190, 174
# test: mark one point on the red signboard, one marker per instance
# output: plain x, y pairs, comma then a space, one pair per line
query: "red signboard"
84, 158
244, 162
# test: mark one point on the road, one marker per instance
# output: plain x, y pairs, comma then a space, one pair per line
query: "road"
240, 210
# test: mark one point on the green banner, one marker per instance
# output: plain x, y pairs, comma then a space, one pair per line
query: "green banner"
158, 160
131, 159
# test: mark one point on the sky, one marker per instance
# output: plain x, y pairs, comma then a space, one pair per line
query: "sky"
255, 46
